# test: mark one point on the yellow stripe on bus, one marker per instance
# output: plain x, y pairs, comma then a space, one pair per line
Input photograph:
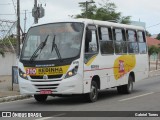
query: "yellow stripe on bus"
91, 60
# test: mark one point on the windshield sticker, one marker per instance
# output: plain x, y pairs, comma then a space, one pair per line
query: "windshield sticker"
60, 29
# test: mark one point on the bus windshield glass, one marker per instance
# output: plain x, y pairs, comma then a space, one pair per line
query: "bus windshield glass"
53, 42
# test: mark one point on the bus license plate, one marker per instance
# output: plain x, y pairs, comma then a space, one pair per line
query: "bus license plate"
45, 92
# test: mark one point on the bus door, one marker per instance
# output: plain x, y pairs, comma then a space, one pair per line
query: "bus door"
91, 51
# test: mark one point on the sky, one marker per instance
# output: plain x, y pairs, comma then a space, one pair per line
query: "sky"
147, 11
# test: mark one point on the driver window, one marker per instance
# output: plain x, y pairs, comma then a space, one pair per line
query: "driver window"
91, 45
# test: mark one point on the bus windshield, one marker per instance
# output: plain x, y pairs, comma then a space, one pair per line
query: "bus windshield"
53, 41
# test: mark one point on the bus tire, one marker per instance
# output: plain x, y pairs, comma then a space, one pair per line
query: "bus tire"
129, 87
93, 95
126, 89
120, 89
40, 98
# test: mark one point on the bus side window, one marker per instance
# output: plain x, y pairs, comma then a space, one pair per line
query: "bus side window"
91, 45
132, 41
106, 40
120, 41
142, 42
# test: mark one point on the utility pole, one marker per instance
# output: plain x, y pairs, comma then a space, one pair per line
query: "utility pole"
37, 11
18, 27
36, 14
86, 3
25, 19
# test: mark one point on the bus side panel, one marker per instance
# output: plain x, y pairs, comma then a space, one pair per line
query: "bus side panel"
141, 70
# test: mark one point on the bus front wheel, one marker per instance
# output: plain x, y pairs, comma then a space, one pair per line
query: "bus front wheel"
40, 98
93, 95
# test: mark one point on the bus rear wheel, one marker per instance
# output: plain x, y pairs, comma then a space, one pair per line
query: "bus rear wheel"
40, 98
128, 88
93, 95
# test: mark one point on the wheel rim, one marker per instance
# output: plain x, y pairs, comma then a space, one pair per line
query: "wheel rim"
93, 92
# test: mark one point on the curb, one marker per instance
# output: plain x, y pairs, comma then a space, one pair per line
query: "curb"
154, 75
154, 70
151, 75
14, 98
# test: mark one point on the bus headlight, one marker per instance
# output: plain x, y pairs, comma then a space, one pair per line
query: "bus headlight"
22, 74
72, 72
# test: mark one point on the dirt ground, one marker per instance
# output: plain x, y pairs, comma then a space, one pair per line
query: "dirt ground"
6, 87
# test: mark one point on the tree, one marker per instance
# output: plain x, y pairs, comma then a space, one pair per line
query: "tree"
158, 36
2, 53
91, 9
105, 12
151, 50
148, 34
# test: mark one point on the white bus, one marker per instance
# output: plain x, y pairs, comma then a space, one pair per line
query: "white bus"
81, 56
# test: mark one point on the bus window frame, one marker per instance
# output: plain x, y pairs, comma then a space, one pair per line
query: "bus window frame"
124, 39
144, 38
135, 30
96, 32
109, 27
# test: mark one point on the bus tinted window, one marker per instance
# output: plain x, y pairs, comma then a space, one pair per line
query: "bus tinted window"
106, 42
131, 34
140, 36
91, 45
118, 35
142, 44
132, 41
120, 41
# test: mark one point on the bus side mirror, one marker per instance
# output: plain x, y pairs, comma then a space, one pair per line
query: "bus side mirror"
88, 36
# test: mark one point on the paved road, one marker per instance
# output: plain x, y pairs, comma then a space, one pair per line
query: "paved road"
146, 97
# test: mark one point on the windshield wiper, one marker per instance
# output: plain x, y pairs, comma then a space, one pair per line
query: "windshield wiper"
54, 45
40, 47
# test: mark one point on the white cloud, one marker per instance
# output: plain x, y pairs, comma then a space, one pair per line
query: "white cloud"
145, 10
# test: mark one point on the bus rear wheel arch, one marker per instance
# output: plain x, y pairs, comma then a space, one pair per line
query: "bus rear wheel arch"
128, 88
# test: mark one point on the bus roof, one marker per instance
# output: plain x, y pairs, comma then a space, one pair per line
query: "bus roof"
90, 21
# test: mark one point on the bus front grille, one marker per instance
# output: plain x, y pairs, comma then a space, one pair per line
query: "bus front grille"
49, 77
46, 86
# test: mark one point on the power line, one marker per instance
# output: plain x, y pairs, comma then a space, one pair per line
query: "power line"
14, 14
7, 14
14, 6
6, 4
153, 25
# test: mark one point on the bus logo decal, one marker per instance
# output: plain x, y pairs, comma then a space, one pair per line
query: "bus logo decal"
121, 66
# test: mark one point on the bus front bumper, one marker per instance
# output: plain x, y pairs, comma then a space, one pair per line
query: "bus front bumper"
72, 85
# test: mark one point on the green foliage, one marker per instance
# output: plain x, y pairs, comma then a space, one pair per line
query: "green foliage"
7, 41
153, 49
106, 11
158, 36
90, 12
2, 53
148, 34
125, 19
